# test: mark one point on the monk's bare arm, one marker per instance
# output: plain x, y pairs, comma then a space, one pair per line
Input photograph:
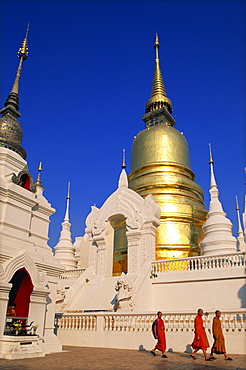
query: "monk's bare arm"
154, 331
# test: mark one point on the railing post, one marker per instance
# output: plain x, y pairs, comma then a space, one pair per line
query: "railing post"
100, 323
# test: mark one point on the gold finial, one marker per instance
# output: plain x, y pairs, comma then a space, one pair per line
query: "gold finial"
210, 154
38, 181
10, 130
123, 158
237, 206
156, 45
158, 97
12, 102
156, 40
23, 53
68, 191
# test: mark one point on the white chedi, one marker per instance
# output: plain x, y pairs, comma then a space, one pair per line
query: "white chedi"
218, 238
244, 214
241, 245
64, 250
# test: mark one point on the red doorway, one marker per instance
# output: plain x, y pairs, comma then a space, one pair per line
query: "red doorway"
19, 295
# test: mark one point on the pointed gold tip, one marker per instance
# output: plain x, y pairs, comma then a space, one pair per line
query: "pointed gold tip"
156, 44
158, 98
123, 158
237, 206
38, 181
68, 191
210, 154
23, 51
27, 30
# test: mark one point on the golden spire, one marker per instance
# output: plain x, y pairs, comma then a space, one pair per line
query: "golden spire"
38, 181
13, 99
23, 53
158, 85
158, 97
10, 130
156, 46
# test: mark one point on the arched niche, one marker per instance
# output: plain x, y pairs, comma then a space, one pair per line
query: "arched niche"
24, 286
130, 216
24, 179
19, 295
23, 261
118, 223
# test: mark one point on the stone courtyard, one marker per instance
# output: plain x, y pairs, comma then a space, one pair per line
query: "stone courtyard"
103, 358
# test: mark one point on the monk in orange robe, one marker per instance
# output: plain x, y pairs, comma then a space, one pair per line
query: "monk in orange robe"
219, 340
200, 341
158, 329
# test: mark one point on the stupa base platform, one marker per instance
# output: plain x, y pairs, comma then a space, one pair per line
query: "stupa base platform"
18, 347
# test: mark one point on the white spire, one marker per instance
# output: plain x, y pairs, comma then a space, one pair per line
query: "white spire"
123, 158
240, 239
244, 216
123, 181
214, 204
64, 250
66, 218
211, 162
218, 238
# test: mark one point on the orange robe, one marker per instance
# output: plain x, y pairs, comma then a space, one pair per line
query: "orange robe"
159, 334
219, 340
200, 341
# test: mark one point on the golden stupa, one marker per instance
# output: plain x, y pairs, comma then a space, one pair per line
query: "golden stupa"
160, 166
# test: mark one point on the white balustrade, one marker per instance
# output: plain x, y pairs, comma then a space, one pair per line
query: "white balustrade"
129, 322
198, 263
78, 322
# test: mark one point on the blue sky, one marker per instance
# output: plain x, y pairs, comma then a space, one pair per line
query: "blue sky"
89, 74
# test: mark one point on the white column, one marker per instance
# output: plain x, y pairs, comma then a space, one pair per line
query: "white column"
4, 297
133, 251
52, 343
37, 308
92, 253
148, 242
101, 257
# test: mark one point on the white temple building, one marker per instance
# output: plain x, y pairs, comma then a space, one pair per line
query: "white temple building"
121, 281
151, 246
95, 308
28, 270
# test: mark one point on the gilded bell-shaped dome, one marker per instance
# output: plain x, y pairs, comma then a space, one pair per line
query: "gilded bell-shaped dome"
160, 165
159, 144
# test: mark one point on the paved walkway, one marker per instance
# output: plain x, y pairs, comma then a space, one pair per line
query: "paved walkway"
101, 358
